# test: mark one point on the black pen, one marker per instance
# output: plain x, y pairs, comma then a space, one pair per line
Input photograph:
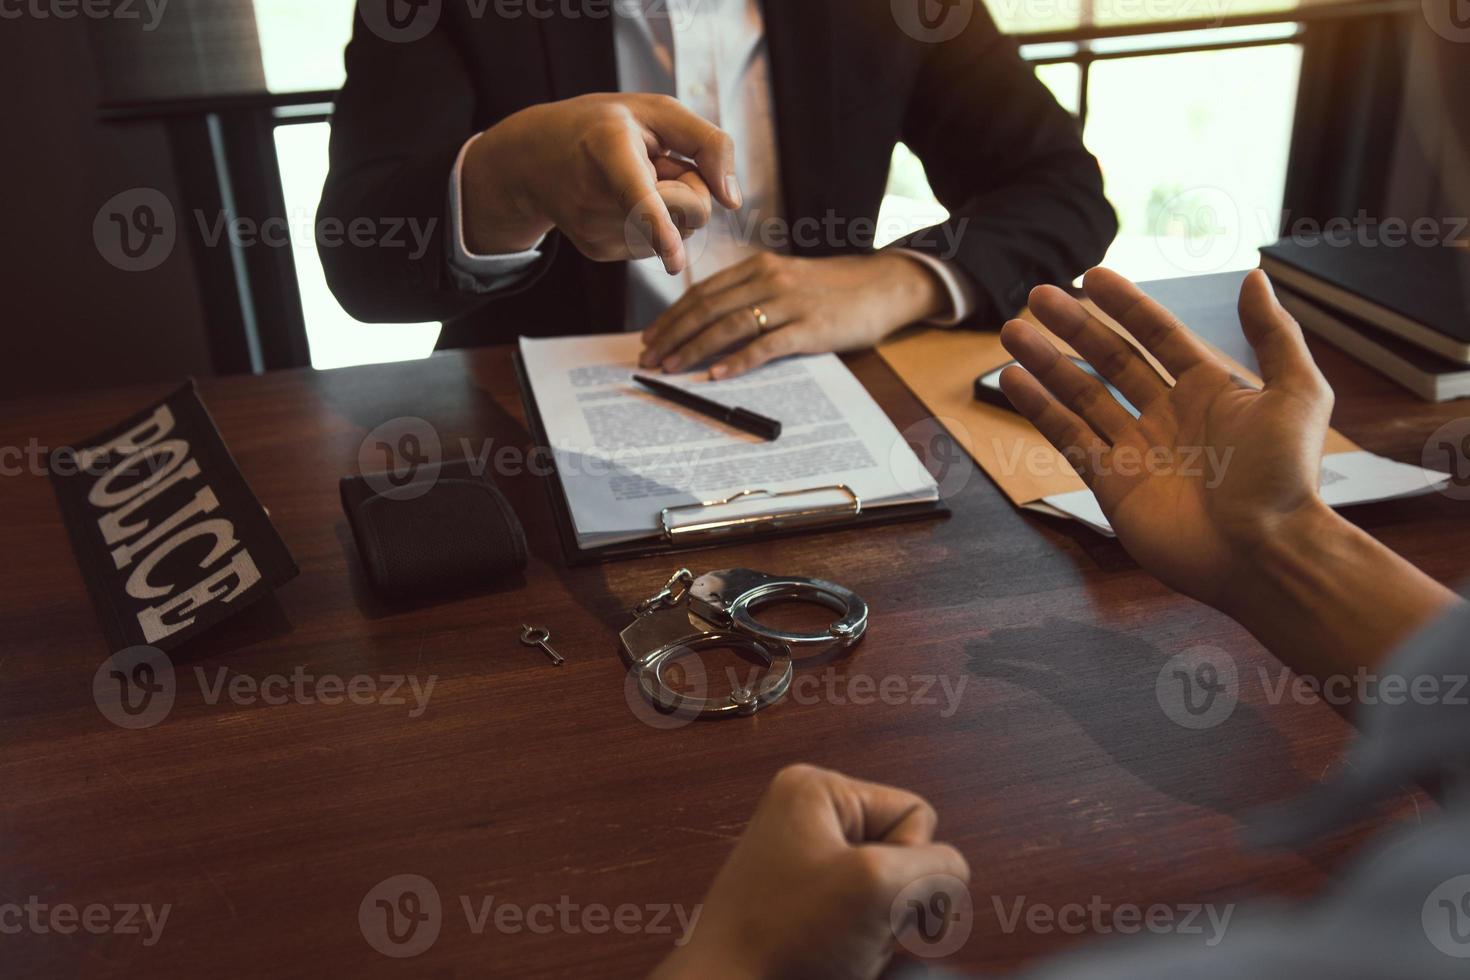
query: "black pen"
740, 418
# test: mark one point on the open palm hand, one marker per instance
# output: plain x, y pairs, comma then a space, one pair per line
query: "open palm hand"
1212, 464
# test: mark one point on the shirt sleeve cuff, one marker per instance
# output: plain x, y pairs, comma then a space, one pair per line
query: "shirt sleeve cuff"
480, 273
956, 282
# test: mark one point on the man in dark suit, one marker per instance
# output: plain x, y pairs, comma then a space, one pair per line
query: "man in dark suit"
706, 171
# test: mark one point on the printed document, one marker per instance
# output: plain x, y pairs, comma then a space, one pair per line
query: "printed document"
624, 455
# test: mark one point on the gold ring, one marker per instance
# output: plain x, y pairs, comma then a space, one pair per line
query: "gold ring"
761, 320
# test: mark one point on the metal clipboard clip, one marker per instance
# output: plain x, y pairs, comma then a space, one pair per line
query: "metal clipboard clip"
751, 522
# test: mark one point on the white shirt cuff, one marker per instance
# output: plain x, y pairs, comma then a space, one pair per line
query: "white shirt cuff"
956, 282
480, 273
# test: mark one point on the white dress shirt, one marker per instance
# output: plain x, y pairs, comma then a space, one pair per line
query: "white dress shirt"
711, 55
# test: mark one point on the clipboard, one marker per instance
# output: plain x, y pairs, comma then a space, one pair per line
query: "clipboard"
701, 536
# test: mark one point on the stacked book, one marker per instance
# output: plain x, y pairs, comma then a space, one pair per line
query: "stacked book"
1402, 308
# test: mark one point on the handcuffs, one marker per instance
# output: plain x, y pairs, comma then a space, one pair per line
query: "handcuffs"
716, 611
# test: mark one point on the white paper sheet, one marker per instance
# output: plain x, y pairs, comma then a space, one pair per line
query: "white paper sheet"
624, 455
1347, 478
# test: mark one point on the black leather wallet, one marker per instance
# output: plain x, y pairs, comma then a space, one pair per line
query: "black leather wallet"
444, 531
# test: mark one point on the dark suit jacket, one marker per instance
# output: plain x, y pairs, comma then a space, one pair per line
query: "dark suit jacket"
848, 83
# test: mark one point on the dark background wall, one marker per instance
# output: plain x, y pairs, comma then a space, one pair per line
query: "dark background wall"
1432, 154
72, 320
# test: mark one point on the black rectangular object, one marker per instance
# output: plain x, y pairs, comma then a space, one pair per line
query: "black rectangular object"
1418, 292
170, 538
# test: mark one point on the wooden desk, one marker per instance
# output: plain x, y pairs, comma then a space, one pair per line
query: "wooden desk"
265, 826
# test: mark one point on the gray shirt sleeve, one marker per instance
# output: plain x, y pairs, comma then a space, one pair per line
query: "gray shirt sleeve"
1404, 909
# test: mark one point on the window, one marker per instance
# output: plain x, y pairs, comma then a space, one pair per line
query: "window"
1193, 149
336, 339
1193, 145
301, 43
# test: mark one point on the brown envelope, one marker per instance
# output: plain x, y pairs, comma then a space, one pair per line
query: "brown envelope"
940, 366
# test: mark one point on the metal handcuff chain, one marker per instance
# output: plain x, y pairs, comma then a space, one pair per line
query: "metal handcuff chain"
716, 611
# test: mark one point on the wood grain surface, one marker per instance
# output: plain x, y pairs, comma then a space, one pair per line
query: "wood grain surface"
1019, 652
